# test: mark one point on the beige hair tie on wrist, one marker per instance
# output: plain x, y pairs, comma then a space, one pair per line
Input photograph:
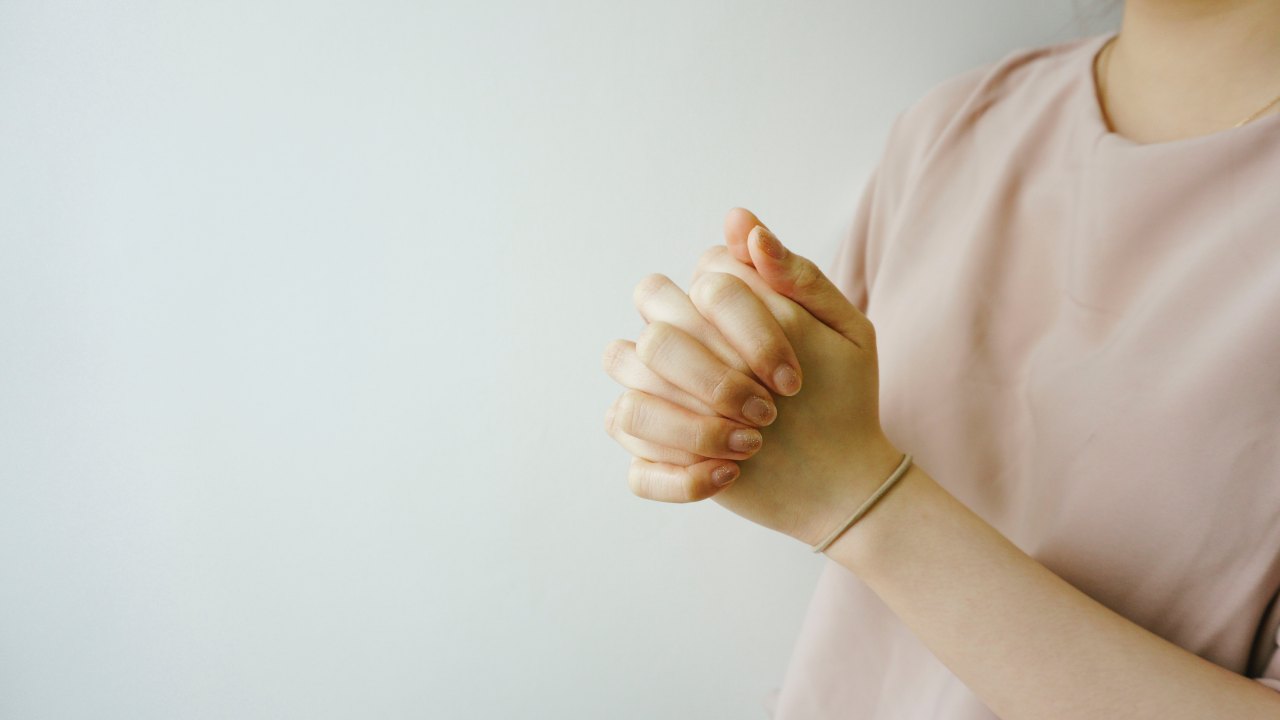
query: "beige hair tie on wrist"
862, 510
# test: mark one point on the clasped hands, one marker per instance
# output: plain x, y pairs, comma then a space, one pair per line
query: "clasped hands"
759, 388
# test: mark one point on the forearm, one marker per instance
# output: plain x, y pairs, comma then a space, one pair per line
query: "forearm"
1028, 643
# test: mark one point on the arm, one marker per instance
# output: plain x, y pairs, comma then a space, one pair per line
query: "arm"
1026, 641
1023, 639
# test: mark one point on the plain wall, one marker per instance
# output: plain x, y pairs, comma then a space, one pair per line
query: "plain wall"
302, 307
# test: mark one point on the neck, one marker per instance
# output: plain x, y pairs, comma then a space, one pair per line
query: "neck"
1180, 68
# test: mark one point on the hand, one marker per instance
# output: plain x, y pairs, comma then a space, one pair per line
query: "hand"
826, 452
681, 442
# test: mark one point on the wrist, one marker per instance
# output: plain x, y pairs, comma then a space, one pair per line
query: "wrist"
851, 482
871, 542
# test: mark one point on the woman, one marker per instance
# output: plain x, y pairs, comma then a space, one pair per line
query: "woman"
1061, 296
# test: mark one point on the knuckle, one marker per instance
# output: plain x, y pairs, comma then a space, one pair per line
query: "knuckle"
723, 393
653, 338
637, 480
627, 414
716, 288
689, 491
765, 349
648, 286
806, 275
788, 315
705, 438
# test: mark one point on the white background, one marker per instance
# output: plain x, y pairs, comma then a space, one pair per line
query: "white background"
302, 306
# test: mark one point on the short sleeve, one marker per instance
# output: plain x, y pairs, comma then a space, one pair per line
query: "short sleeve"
915, 131
858, 252
849, 269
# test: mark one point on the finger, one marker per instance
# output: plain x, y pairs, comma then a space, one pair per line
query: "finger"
755, 334
804, 282
672, 483
664, 423
719, 259
644, 449
653, 452
686, 363
737, 225
657, 298
623, 365
714, 256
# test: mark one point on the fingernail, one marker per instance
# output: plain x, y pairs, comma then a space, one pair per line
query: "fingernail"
769, 242
724, 475
786, 379
759, 411
744, 441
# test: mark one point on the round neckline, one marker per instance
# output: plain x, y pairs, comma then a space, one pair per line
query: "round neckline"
1105, 135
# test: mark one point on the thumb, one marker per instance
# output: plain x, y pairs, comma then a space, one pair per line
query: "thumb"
738, 223
801, 280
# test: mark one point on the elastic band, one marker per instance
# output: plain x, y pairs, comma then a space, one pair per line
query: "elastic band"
902, 470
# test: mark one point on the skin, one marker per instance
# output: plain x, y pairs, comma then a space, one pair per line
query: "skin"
1028, 643
1184, 68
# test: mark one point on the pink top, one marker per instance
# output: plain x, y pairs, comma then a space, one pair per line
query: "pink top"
1079, 338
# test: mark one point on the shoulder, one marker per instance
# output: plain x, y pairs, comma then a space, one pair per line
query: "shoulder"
1022, 79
